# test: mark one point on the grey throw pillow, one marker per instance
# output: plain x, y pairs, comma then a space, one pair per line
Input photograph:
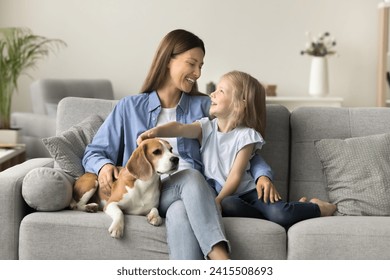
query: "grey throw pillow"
47, 189
68, 148
357, 172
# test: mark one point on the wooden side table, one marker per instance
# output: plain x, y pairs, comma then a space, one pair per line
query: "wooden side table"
11, 156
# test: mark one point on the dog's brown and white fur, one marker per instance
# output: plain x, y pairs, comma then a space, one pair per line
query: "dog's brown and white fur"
137, 189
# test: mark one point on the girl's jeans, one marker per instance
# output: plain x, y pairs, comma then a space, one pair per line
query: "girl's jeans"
283, 213
194, 224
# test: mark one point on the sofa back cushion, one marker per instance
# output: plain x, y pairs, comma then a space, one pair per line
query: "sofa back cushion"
73, 110
311, 124
276, 151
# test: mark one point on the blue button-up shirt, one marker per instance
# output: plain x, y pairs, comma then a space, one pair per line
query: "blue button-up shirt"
116, 138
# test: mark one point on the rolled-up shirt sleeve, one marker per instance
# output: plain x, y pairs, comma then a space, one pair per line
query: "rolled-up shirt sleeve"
260, 168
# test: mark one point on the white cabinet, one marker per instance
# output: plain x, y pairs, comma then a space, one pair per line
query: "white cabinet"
302, 101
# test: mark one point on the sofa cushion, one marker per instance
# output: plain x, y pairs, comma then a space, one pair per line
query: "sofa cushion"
68, 148
340, 238
47, 189
357, 174
77, 235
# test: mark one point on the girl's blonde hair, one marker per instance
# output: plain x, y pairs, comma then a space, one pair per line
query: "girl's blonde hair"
174, 43
248, 101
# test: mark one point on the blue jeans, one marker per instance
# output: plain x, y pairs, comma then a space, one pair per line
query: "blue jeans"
194, 224
283, 213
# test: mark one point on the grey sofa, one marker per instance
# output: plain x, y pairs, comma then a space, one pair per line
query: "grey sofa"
29, 234
45, 95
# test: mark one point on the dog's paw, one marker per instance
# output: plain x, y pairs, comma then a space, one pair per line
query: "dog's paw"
154, 217
116, 230
91, 207
73, 205
156, 221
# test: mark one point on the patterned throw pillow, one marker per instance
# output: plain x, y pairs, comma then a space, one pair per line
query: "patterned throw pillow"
68, 148
357, 171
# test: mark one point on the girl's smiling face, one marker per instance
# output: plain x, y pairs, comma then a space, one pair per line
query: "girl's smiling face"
221, 99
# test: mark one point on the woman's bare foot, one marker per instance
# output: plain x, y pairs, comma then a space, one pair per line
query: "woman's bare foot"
303, 199
219, 252
326, 208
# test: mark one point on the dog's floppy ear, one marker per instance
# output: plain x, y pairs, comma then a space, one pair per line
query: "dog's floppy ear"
138, 165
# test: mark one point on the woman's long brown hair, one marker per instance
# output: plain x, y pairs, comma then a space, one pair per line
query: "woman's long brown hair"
174, 43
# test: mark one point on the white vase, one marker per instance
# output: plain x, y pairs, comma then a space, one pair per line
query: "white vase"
319, 83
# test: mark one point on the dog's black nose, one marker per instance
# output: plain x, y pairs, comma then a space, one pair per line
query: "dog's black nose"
174, 160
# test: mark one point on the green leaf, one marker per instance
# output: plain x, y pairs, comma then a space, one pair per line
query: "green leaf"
20, 50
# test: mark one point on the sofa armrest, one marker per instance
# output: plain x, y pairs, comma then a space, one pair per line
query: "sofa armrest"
12, 206
33, 128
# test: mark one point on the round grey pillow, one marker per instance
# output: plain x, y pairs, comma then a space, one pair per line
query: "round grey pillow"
47, 189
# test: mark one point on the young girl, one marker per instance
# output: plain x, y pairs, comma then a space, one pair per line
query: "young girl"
228, 142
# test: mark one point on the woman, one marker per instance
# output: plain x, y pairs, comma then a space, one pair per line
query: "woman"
170, 93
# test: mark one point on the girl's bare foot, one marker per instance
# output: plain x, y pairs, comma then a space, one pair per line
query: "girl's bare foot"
303, 199
326, 208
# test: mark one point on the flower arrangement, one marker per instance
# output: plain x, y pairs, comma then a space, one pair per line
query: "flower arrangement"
321, 46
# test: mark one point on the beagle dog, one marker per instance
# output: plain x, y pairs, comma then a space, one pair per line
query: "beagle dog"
137, 189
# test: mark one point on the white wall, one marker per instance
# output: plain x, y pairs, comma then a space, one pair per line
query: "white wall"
116, 39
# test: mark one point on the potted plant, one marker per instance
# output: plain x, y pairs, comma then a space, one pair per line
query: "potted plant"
20, 50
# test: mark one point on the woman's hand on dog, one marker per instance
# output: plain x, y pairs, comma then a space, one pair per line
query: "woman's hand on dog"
106, 177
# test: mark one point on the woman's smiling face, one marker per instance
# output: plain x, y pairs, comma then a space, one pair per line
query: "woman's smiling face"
186, 68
